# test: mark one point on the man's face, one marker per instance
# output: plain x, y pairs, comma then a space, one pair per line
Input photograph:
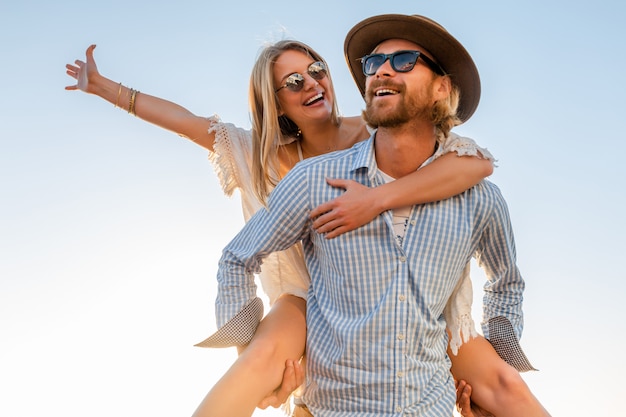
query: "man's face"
393, 98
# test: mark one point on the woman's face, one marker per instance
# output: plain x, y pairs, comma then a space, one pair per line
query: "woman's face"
314, 102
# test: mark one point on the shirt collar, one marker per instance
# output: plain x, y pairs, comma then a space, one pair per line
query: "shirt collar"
366, 155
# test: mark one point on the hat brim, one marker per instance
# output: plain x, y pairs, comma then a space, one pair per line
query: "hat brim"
445, 49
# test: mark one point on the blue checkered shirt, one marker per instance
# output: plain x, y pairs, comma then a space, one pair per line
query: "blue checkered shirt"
376, 343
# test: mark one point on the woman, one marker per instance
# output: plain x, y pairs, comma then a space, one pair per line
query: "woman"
295, 116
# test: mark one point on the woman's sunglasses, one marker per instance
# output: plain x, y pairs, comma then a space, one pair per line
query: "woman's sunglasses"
401, 61
295, 82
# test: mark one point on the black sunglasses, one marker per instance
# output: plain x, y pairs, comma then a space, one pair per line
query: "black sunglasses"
401, 61
295, 81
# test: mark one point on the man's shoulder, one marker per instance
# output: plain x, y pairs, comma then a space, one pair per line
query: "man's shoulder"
489, 185
487, 195
487, 188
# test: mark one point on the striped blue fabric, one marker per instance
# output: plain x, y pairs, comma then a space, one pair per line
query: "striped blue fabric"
376, 343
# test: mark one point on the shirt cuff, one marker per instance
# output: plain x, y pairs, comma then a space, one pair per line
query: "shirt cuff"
239, 330
503, 339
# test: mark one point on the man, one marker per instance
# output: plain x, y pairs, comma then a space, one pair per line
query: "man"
376, 341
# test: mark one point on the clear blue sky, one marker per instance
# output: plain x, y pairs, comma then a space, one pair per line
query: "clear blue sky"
110, 228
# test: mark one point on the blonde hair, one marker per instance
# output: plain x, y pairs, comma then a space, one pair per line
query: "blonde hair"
269, 130
444, 113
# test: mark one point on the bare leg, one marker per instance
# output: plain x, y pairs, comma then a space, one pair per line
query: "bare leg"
259, 368
496, 386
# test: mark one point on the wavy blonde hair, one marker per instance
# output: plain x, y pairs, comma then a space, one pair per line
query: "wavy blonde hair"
444, 113
269, 130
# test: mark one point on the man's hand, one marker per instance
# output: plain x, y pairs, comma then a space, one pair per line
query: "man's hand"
464, 402
293, 377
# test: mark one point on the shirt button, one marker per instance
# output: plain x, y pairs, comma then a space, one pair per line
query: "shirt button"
403, 259
398, 409
400, 374
401, 298
400, 336
413, 222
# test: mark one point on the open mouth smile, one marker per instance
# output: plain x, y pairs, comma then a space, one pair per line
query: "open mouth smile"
314, 99
385, 92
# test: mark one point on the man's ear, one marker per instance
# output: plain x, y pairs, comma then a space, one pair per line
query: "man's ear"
443, 87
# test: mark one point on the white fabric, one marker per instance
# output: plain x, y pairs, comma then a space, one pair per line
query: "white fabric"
285, 272
458, 311
282, 272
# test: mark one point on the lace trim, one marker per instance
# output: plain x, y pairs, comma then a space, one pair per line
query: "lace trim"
464, 147
220, 157
461, 332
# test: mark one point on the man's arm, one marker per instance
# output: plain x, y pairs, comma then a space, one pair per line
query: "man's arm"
283, 223
496, 254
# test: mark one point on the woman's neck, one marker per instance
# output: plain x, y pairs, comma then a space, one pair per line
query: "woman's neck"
320, 138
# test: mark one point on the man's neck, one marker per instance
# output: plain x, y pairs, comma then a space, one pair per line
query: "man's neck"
402, 150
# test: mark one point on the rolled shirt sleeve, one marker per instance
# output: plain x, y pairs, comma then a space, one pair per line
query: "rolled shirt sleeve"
496, 254
284, 222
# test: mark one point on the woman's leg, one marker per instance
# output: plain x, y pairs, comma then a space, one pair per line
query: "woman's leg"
258, 370
496, 385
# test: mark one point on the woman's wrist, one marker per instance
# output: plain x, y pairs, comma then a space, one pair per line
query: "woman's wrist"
379, 199
103, 87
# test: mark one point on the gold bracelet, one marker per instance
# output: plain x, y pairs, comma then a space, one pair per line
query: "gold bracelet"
119, 93
131, 104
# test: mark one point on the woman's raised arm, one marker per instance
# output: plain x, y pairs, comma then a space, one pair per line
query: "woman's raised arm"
152, 109
445, 177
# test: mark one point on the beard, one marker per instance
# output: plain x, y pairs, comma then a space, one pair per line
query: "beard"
410, 107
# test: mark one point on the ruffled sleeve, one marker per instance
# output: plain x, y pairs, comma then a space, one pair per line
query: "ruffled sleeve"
232, 161
463, 147
232, 150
